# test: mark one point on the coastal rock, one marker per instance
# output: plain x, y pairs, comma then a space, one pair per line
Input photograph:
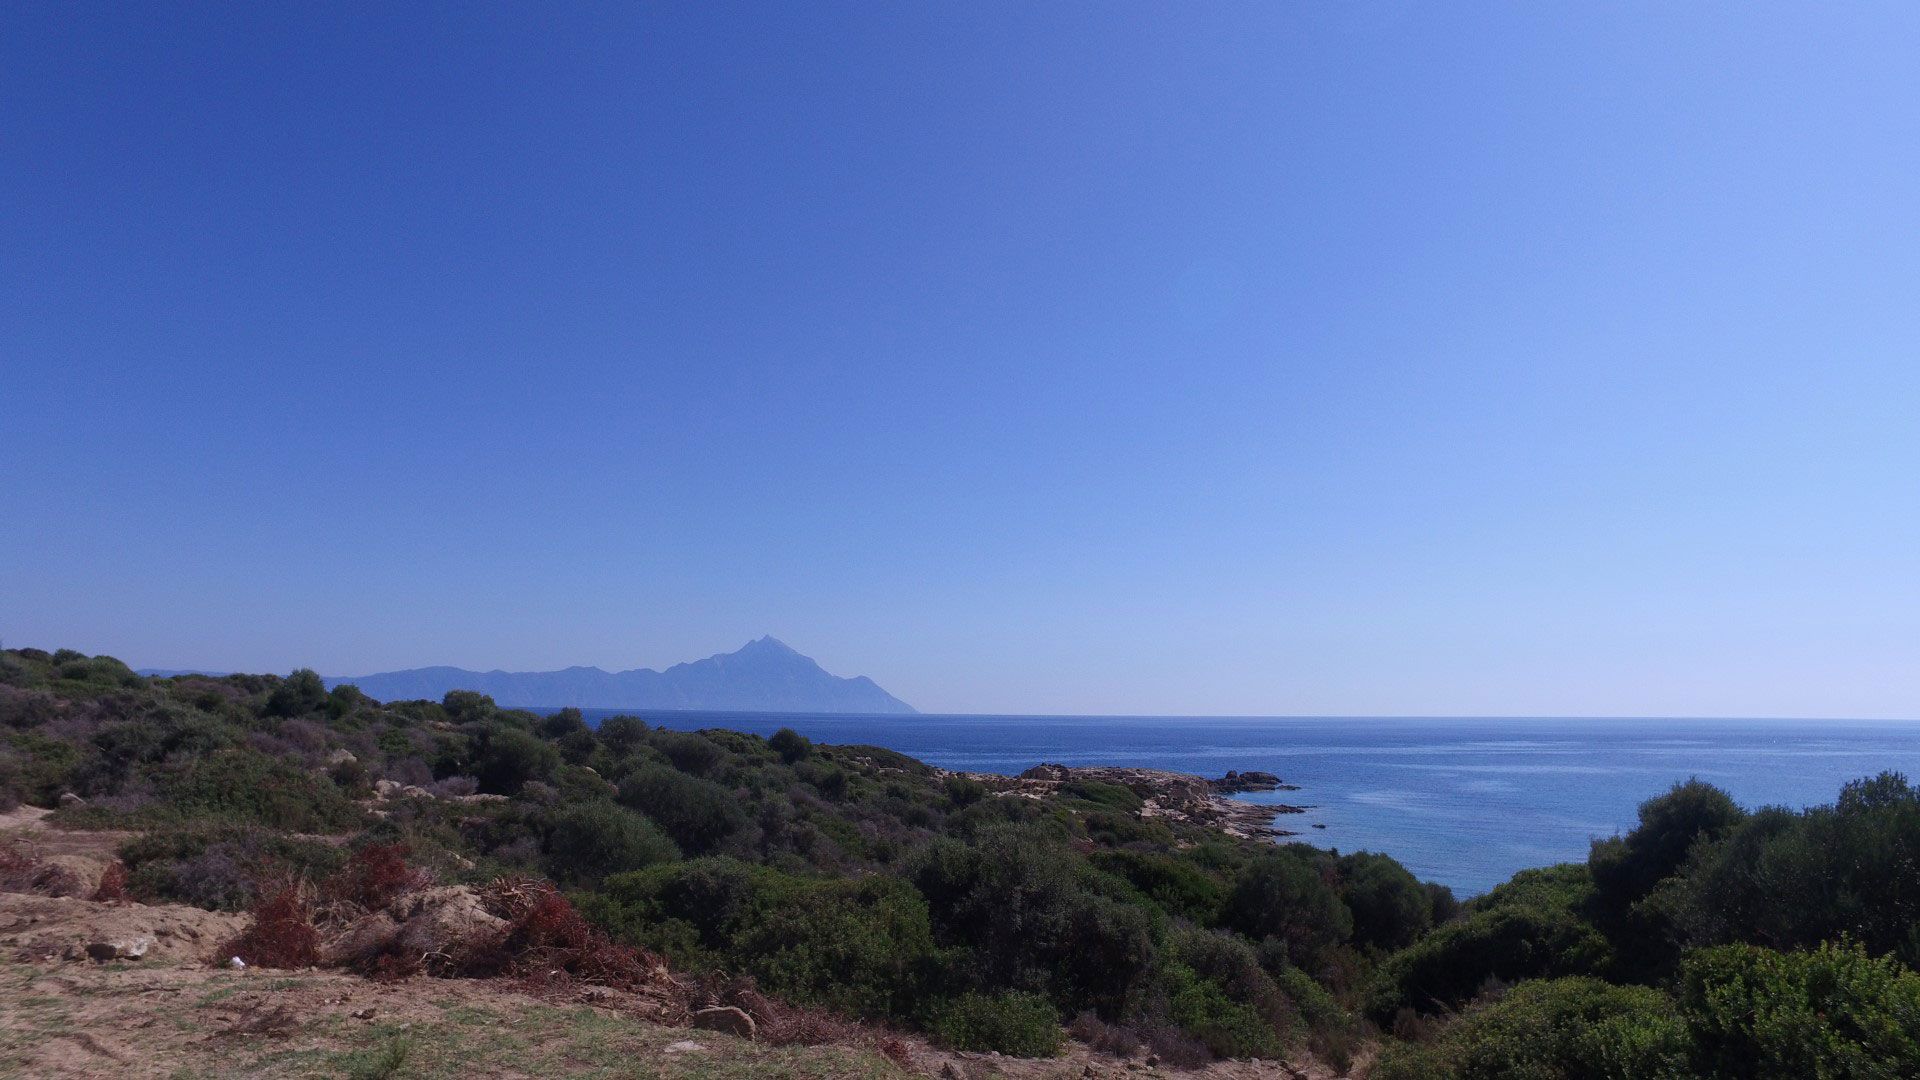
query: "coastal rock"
1169, 796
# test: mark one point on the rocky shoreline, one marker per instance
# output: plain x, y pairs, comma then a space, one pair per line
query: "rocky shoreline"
1166, 795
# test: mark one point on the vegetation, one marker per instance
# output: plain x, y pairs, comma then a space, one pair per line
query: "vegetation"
1707, 941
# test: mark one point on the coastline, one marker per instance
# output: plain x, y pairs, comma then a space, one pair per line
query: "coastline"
1164, 794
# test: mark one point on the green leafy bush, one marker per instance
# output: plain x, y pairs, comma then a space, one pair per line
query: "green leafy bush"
698, 814
1533, 926
590, 840
509, 759
1794, 880
1555, 1029
1024, 1025
1283, 894
1834, 1013
1390, 907
245, 786
861, 946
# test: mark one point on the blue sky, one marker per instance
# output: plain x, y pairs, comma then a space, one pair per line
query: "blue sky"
1148, 358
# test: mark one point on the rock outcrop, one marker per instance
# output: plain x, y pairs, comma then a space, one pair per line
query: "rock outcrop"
1169, 796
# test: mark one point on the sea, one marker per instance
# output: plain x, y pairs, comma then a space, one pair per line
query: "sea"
1462, 801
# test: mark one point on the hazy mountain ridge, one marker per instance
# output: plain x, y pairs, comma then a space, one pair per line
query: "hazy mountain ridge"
762, 676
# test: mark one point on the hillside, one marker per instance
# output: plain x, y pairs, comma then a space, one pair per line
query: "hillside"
765, 675
857, 911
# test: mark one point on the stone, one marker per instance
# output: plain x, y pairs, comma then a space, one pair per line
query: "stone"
363, 1014
952, 1071
341, 756
121, 949
385, 789
364, 937
725, 1018
684, 1046
447, 921
413, 792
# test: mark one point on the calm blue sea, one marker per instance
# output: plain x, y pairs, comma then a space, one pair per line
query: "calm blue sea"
1465, 802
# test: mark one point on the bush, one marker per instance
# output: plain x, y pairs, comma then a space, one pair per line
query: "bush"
219, 867
622, 734
1531, 927
698, 814
862, 947
1794, 880
282, 934
1832, 1013
1391, 909
690, 752
590, 840
300, 694
1179, 887
790, 745
1283, 895
1559, 1029
1228, 1028
250, 787
1023, 1025
510, 759
374, 877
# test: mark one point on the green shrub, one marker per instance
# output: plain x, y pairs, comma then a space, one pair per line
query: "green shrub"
1177, 885
790, 745
1102, 794
590, 840
862, 946
1023, 1025
622, 734
301, 693
1282, 894
1228, 1028
509, 759
1557, 1029
698, 814
1834, 1013
1794, 880
1021, 909
244, 786
1390, 907
690, 752
1531, 927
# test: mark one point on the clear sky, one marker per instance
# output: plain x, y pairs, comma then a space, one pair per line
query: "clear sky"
1062, 357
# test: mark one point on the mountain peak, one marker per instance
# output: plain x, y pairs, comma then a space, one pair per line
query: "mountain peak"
764, 675
767, 643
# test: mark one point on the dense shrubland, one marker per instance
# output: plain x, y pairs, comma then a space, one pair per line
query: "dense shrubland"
1707, 941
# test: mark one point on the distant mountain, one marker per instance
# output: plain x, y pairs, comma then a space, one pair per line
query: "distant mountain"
763, 676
